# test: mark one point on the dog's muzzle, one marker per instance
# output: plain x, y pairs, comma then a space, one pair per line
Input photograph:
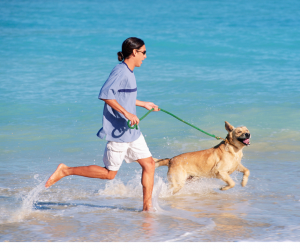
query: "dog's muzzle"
245, 140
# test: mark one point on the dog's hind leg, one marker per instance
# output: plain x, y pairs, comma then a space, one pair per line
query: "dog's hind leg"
225, 177
176, 179
246, 173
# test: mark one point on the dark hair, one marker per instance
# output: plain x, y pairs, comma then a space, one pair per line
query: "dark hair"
128, 46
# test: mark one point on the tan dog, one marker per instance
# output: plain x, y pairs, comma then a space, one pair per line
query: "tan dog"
217, 162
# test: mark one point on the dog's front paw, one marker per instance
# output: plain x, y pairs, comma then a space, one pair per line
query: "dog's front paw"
225, 188
244, 182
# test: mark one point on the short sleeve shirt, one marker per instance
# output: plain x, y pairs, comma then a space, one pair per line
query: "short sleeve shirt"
120, 85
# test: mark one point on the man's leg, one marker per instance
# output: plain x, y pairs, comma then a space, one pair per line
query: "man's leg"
148, 166
92, 171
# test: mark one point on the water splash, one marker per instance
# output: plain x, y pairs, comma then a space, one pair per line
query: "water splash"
28, 202
133, 188
117, 188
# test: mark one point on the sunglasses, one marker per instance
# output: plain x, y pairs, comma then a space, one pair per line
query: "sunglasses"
144, 52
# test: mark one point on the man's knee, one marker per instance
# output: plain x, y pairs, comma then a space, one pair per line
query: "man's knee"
151, 162
111, 175
148, 165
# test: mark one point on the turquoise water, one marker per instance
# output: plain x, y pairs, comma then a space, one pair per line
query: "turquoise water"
207, 62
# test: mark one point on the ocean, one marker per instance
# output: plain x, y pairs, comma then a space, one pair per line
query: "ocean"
207, 62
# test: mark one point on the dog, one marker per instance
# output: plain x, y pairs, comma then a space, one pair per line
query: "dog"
217, 162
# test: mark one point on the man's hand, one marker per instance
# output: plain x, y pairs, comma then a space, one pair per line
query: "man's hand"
150, 105
133, 119
147, 105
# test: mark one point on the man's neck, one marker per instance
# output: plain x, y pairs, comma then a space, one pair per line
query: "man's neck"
130, 64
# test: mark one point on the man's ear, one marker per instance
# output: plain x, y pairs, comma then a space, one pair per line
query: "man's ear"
134, 52
228, 127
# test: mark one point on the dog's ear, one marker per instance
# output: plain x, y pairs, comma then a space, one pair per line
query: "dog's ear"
228, 127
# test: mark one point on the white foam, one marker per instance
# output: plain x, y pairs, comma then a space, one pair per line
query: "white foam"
117, 188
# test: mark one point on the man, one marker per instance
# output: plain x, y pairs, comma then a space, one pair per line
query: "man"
119, 94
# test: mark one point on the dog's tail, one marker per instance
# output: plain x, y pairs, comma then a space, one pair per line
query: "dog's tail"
161, 162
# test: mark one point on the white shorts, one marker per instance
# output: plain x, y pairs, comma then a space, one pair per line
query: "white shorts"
116, 152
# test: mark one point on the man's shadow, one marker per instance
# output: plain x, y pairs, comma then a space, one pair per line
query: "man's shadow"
52, 206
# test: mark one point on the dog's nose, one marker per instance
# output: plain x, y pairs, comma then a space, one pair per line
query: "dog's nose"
247, 135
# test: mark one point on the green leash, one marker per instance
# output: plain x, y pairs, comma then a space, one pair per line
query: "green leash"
136, 127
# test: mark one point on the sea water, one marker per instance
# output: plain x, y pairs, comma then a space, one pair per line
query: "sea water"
207, 62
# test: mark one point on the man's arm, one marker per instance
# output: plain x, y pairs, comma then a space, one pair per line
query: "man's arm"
115, 105
147, 105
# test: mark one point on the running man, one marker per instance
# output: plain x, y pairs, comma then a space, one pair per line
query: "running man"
119, 93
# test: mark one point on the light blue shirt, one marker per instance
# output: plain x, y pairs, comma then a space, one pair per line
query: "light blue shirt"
120, 85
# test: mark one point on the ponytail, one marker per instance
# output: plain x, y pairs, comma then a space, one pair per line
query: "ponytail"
120, 56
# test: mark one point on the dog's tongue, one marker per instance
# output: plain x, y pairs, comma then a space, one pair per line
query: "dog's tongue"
247, 141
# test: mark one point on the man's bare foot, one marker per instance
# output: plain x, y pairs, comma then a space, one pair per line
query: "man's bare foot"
59, 173
150, 209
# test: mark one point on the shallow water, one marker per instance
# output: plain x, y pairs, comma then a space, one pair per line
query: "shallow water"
207, 62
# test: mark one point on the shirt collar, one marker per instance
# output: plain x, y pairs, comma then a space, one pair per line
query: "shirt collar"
127, 66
